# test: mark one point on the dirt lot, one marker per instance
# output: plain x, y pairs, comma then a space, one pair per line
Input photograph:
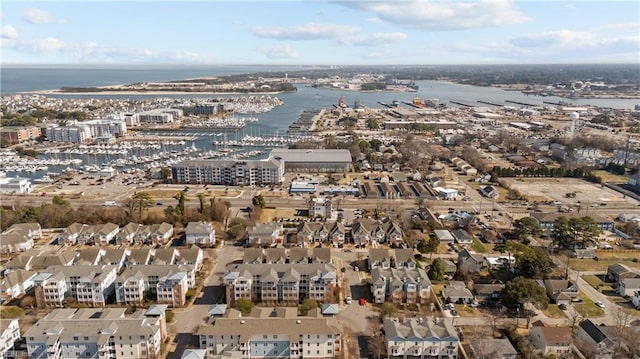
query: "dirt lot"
552, 189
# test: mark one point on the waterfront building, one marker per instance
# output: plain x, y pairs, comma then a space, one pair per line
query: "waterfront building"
167, 115
273, 333
97, 333
12, 135
421, 338
229, 172
313, 160
202, 109
17, 185
288, 283
73, 134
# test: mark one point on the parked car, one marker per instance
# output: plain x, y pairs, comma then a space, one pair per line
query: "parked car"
363, 301
347, 300
599, 304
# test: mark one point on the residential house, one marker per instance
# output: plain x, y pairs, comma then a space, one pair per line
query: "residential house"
253, 255
393, 234
487, 292
97, 333
89, 256
164, 256
272, 333
139, 256
618, 271
400, 286
365, 230
635, 299
379, 258
15, 284
191, 256
299, 255
320, 255
492, 348
281, 283
450, 268
629, 286
457, 292
594, 339
404, 258
489, 191
462, 237
555, 341
316, 232
320, 207
265, 234
115, 256
444, 236
471, 262
20, 237
275, 255
420, 337
160, 233
35, 260
561, 291
9, 333
134, 233
201, 233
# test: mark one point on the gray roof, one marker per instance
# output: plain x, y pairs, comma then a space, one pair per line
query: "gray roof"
421, 328
492, 348
268, 163
330, 309
217, 309
312, 156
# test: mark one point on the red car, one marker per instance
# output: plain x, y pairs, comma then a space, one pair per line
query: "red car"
363, 301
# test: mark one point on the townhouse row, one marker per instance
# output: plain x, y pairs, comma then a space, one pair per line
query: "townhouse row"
96, 277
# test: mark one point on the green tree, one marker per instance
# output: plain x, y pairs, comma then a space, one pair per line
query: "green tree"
59, 201
181, 197
436, 270
373, 124
244, 306
166, 174
308, 305
428, 245
523, 290
259, 201
170, 316
561, 233
525, 227
237, 227
143, 202
530, 261
585, 230
388, 310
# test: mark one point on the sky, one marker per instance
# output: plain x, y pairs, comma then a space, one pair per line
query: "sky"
353, 32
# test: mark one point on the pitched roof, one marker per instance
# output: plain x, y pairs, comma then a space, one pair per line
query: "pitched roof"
592, 330
556, 334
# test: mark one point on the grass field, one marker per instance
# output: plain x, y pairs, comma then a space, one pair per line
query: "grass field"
593, 281
587, 308
478, 246
608, 177
553, 311
606, 258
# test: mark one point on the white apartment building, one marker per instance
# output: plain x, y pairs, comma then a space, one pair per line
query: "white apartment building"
89, 284
169, 283
320, 207
9, 333
155, 116
421, 337
201, 233
74, 134
97, 333
280, 283
270, 333
229, 172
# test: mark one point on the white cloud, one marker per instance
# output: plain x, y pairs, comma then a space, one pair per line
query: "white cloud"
435, 16
40, 17
631, 26
36, 46
279, 52
189, 57
312, 31
9, 32
375, 39
553, 38
91, 51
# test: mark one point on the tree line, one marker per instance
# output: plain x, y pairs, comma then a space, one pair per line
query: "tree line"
544, 171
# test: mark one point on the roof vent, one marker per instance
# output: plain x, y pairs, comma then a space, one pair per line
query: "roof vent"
298, 321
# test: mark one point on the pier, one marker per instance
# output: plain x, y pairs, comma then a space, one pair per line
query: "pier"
460, 104
490, 103
410, 104
521, 103
556, 103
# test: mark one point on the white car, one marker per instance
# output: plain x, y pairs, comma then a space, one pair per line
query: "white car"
599, 304
347, 300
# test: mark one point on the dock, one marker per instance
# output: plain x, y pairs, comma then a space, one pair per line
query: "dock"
556, 103
385, 104
490, 103
460, 104
158, 138
521, 103
410, 104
